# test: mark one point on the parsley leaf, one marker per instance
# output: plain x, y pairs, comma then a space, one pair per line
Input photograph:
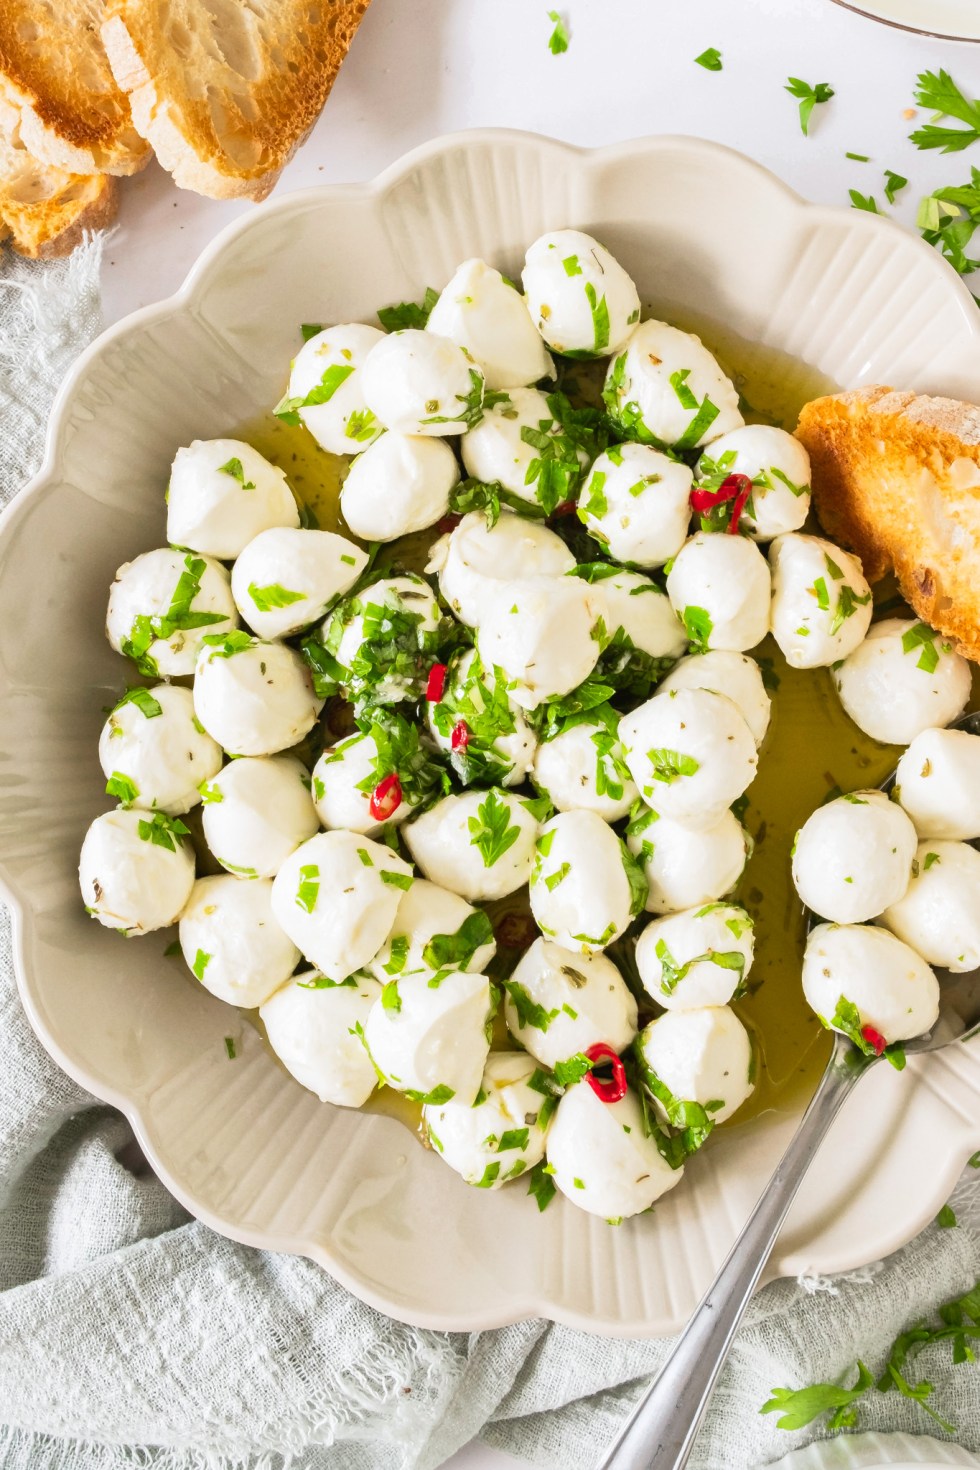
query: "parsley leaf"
143, 700
122, 787
939, 94
272, 596
163, 831
147, 629
710, 59
800, 1406
491, 830
408, 314
809, 97
489, 496
670, 765
894, 184
472, 411
234, 468
445, 950
949, 217
699, 625
920, 636
309, 887
863, 201
541, 1185
558, 40
288, 408
529, 1012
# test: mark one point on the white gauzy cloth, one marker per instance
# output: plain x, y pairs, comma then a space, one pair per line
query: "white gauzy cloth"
131, 1335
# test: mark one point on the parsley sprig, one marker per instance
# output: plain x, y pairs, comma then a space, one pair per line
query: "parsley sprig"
937, 92
408, 314
178, 618
809, 98
491, 831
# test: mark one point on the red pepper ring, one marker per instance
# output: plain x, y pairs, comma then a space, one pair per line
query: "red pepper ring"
874, 1039
460, 736
735, 487
448, 523
566, 508
386, 798
435, 688
613, 1089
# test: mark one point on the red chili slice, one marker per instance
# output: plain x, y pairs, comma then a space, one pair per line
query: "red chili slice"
874, 1039
448, 523
386, 798
461, 736
612, 1089
435, 688
736, 487
567, 508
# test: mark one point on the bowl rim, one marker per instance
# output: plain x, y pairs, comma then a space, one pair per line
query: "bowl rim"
910, 30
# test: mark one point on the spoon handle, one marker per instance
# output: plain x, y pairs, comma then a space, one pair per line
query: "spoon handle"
662, 1432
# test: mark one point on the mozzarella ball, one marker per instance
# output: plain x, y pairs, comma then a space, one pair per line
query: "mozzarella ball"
601, 1157
136, 871
821, 603
311, 1025
434, 930
162, 604
499, 742
665, 388
256, 812
431, 1041
583, 769
153, 743
637, 502
779, 468
544, 633
853, 857
231, 940
686, 868
584, 885
254, 698
476, 559
344, 781
893, 989
336, 897
735, 675
698, 957
560, 1002
286, 579
720, 588
939, 913
483, 313
418, 383
495, 451
582, 300
399, 485
467, 843
640, 610
327, 380
367, 619
938, 784
222, 494
691, 754
499, 1137
702, 1056
901, 680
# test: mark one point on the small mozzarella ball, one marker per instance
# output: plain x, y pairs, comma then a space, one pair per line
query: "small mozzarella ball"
476, 558
256, 812
232, 942
894, 990
721, 589
130, 881
399, 485
254, 698
311, 1026
431, 1040
344, 780
501, 744
779, 468
640, 610
853, 857
544, 634
637, 502
698, 957
483, 313
582, 895
336, 897
901, 680
495, 451
939, 914
459, 843
560, 1002
666, 389
821, 603
359, 620
327, 378
418, 383
702, 1056
151, 599
154, 743
685, 868
498, 1138
735, 675
286, 579
222, 494
434, 930
691, 754
583, 769
938, 783
601, 1157
582, 300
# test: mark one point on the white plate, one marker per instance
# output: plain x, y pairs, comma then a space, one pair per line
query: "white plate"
241, 1144
874, 1451
946, 20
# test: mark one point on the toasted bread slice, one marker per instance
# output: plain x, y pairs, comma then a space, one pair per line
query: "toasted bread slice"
226, 91
896, 478
44, 210
57, 91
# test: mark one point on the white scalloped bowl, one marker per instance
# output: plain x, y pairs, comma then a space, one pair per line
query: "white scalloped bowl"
242, 1145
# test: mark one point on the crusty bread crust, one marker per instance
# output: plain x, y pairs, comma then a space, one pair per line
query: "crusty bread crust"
43, 210
896, 479
57, 91
225, 94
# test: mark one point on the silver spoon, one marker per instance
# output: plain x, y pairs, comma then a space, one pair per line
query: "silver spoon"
662, 1431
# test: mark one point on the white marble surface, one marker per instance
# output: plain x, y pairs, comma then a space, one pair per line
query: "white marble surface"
419, 68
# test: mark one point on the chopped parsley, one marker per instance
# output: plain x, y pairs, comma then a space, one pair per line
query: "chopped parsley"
600, 319
670, 765
122, 788
309, 887
894, 184
447, 950
390, 998
704, 412
147, 629
163, 831
491, 830
396, 880
558, 40
847, 1019
272, 596
847, 602
234, 468
529, 1012
949, 217
143, 700
709, 59
699, 625
472, 410
541, 1186
673, 973
920, 637
201, 961
333, 377
230, 1050
809, 98
863, 201
408, 314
